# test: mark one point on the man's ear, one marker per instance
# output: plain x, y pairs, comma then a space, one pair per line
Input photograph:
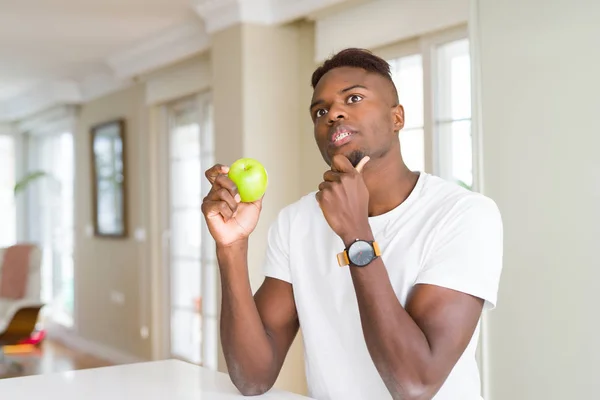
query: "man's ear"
398, 114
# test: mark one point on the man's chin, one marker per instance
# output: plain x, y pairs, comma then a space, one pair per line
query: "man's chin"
354, 156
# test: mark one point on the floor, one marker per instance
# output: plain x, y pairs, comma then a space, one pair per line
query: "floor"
54, 357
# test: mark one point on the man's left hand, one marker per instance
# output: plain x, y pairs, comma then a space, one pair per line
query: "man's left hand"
344, 198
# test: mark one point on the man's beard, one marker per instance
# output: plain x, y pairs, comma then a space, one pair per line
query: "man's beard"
355, 157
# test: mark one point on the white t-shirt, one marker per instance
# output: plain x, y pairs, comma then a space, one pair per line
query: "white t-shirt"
442, 234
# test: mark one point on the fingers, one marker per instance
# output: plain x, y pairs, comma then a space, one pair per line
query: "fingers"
331, 176
362, 163
223, 198
212, 208
324, 185
258, 203
225, 195
213, 172
220, 201
218, 178
341, 163
223, 182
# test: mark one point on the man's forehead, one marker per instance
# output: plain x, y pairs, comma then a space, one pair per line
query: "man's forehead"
343, 76
339, 80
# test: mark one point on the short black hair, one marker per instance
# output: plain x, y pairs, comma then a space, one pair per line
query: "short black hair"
357, 58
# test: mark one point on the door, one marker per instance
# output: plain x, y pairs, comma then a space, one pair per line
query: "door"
189, 252
50, 209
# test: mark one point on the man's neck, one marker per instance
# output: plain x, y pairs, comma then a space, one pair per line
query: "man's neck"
389, 182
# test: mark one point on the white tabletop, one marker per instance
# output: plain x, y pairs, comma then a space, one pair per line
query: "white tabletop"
159, 380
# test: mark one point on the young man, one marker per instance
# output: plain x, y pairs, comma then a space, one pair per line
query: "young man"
386, 270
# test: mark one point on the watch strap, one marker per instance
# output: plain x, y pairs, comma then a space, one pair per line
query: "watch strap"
376, 248
343, 259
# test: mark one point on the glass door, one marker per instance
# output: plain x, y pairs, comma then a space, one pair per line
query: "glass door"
192, 281
50, 211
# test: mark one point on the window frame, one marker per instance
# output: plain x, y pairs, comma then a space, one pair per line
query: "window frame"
202, 102
50, 123
426, 46
32, 212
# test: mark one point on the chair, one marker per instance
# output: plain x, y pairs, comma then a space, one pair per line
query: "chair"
20, 302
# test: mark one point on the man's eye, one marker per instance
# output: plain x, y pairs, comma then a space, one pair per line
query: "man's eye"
354, 98
320, 112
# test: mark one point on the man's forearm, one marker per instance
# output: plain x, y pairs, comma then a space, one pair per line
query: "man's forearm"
246, 345
397, 345
399, 348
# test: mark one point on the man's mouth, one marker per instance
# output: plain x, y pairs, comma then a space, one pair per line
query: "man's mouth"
341, 136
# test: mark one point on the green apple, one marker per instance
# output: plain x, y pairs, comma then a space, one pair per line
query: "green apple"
250, 177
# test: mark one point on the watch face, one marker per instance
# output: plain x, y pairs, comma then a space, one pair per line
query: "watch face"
360, 253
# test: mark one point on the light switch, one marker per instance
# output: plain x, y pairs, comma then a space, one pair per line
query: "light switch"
140, 235
117, 297
89, 230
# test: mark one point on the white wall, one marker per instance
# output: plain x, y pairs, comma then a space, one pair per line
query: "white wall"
540, 63
191, 76
382, 22
255, 68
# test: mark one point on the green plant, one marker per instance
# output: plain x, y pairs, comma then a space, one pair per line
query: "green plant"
28, 179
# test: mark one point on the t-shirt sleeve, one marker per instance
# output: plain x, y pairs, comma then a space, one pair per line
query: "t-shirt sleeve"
277, 258
466, 254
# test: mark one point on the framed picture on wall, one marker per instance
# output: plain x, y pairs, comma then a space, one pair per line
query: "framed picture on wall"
109, 179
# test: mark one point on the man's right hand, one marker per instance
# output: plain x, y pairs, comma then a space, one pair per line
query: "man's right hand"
228, 219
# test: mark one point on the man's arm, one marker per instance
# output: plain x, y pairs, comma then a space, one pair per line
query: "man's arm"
416, 347
413, 348
256, 333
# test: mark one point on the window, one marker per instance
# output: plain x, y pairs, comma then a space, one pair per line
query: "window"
434, 86
453, 112
407, 73
192, 264
50, 208
8, 229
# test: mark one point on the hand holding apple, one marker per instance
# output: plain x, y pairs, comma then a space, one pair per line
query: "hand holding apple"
229, 219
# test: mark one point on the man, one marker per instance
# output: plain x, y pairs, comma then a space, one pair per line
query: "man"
386, 270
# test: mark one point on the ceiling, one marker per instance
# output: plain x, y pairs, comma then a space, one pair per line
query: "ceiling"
71, 51
46, 40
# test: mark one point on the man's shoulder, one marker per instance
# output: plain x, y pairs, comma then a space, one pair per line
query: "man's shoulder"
455, 201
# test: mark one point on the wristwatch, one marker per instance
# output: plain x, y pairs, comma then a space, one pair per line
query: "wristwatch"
359, 253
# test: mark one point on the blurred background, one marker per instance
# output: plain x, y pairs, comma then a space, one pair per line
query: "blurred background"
110, 111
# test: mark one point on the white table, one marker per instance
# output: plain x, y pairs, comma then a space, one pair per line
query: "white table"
158, 380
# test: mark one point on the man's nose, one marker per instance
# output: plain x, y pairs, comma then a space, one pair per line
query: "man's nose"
337, 113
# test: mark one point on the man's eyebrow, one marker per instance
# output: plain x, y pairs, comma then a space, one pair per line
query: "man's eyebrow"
314, 103
319, 101
353, 87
